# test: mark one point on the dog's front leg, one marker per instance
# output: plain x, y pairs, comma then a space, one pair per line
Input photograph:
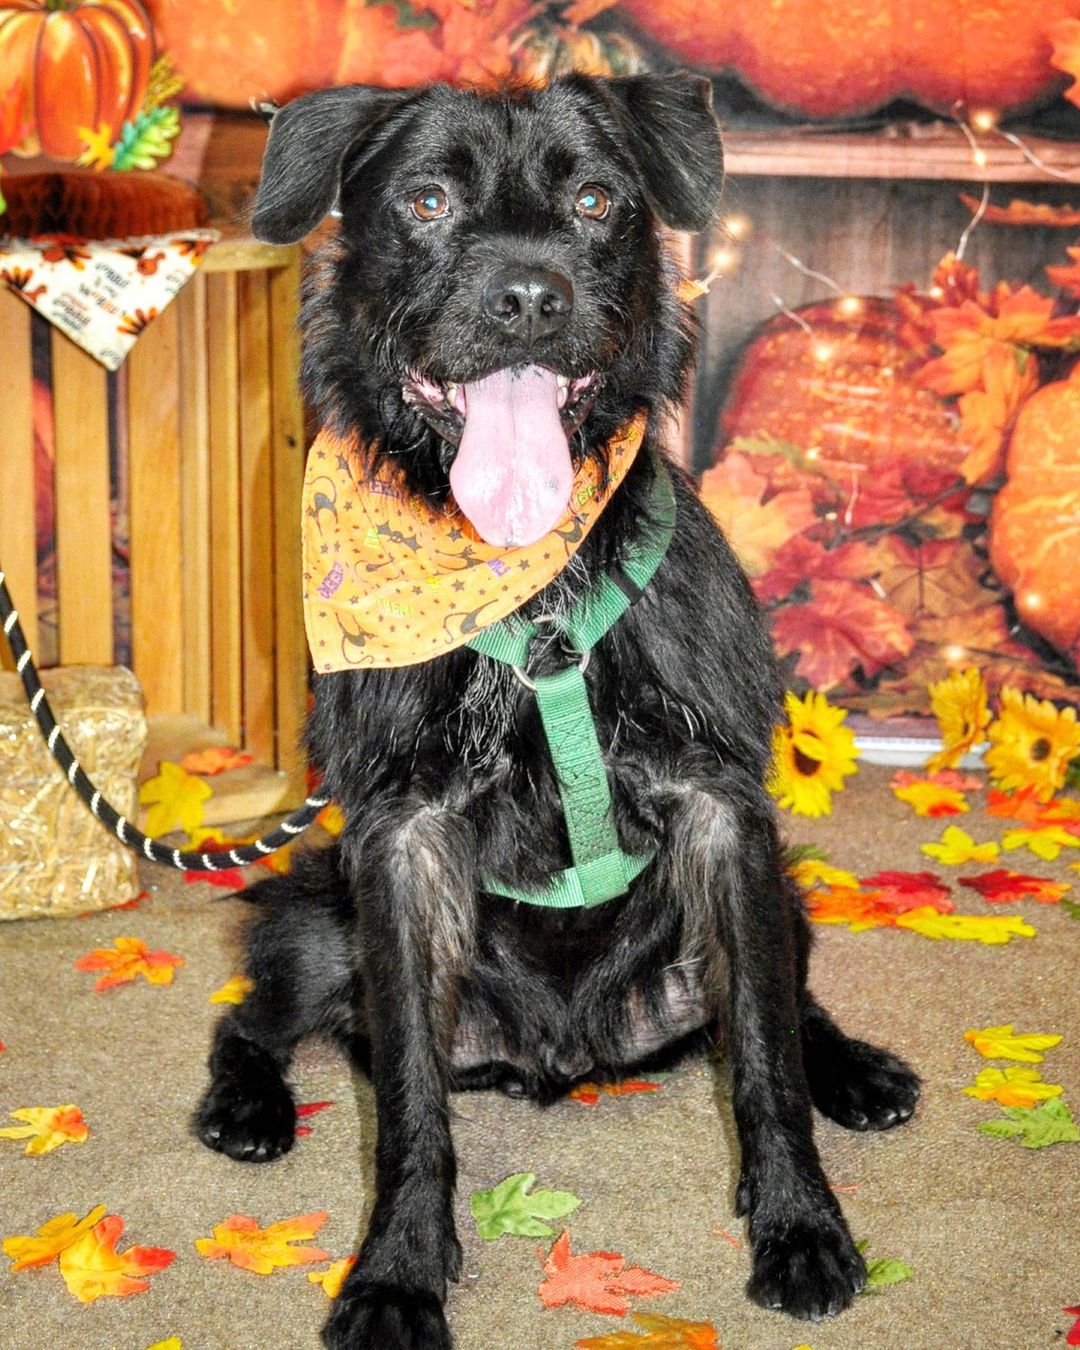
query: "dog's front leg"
804, 1260
412, 875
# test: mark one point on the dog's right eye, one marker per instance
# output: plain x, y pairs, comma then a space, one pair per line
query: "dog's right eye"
430, 204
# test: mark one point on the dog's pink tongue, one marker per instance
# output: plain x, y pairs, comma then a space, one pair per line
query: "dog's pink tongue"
512, 476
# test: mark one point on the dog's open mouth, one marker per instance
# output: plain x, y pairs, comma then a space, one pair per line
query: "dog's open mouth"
512, 475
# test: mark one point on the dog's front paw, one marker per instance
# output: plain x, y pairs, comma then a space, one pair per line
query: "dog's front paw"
370, 1316
248, 1115
807, 1269
862, 1087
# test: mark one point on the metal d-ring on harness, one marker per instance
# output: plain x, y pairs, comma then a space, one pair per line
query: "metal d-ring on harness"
601, 870
120, 826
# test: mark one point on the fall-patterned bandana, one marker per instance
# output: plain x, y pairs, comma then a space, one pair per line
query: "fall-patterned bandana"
391, 581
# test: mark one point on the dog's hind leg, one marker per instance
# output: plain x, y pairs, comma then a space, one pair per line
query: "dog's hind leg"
413, 873
303, 964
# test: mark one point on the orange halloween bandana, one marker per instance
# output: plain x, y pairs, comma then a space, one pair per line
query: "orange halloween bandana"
391, 581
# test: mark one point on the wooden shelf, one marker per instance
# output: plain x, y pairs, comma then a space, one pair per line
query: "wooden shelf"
907, 151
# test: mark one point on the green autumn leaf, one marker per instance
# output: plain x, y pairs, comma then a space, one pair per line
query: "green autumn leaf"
767, 445
1039, 1127
147, 140
1071, 908
507, 1209
883, 1271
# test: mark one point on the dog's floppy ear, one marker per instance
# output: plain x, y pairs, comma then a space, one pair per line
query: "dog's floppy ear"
673, 134
309, 139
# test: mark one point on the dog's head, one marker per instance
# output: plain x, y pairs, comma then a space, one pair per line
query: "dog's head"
497, 301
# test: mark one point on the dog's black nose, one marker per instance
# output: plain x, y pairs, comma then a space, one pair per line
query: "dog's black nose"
528, 302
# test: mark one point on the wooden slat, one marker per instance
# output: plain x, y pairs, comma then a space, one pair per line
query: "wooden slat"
256, 517
157, 617
290, 646
83, 530
17, 513
242, 253
224, 423
195, 495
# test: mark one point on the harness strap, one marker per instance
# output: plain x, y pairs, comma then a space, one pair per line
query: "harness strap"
601, 869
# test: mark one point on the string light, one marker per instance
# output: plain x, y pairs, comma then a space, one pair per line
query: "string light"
850, 306
985, 119
790, 313
724, 260
737, 227
983, 204
1033, 158
954, 653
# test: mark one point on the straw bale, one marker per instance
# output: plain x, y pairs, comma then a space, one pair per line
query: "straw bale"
55, 857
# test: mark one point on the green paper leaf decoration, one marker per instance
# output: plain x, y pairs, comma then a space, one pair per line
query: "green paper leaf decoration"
147, 140
506, 1208
1037, 1127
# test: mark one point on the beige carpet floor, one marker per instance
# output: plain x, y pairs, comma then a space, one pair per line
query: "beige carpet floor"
989, 1228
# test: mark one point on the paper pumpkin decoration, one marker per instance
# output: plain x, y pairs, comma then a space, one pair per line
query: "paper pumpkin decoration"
1035, 520
844, 389
78, 64
832, 58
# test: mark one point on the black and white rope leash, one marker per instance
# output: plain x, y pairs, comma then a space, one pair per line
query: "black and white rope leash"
120, 826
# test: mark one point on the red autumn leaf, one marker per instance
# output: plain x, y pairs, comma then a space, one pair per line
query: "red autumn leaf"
134, 903
1005, 887
755, 523
901, 891
896, 488
600, 1282
1072, 1336
842, 626
229, 879
1067, 276
308, 1109
802, 558
588, 1094
1020, 212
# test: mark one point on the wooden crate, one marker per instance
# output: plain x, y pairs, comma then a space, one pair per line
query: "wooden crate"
209, 405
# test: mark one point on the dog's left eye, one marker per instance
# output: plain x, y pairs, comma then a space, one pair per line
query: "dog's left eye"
593, 202
430, 204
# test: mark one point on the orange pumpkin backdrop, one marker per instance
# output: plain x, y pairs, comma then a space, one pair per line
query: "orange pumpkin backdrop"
77, 65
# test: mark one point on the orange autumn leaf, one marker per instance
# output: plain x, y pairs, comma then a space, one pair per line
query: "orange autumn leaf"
581, 11
900, 891
1065, 35
47, 1127
842, 626
131, 958
1020, 212
735, 493
1067, 275
51, 1239
215, 759
1023, 805
661, 1333
92, 1267
689, 290
860, 910
588, 1094
333, 1277
946, 778
239, 1239
1009, 377
600, 1282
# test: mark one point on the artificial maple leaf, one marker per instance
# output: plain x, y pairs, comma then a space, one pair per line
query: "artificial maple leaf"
689, 290
1065, 35
1072, 1336
660, 1333
1067, 275
882, 1271
588, 1094
858, 909
957, 846
935, 578
304, 1109
131, 958
946, 778
98, 152
1020, 212
225, 879
1045, 841
932, 799
843, 626
175, 798
51, 1239
1023, 805
169, 1343
1012, 1087
900, 891
734, 493
215, 759
801, 558
234, 990
239, 1239
92, 1267
333, 1277
1009, 378
1036, 1126
506, 1208
332, 819
47, 1127
992, 929
1006, 887
1001, 1042
810, 872
600, 1282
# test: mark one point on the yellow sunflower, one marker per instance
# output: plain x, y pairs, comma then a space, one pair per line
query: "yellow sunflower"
963, 714
812, 755
1031, 744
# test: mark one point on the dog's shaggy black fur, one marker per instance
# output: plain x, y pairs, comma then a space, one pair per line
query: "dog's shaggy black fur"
387, 940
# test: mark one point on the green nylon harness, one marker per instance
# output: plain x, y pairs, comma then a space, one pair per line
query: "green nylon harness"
601, 869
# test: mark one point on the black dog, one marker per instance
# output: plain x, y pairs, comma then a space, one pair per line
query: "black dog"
477, 234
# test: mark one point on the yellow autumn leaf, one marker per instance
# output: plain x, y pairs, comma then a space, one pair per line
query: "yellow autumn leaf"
233, 991
92, 1267
170, 1343
690, 289
47, 1127
50, 1240
1002, 1043
239, 1239
1012, 1087
810, 872
175, 798
957, 846
332, 819
992, 929
333, 1277
931, 799
1045, 841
